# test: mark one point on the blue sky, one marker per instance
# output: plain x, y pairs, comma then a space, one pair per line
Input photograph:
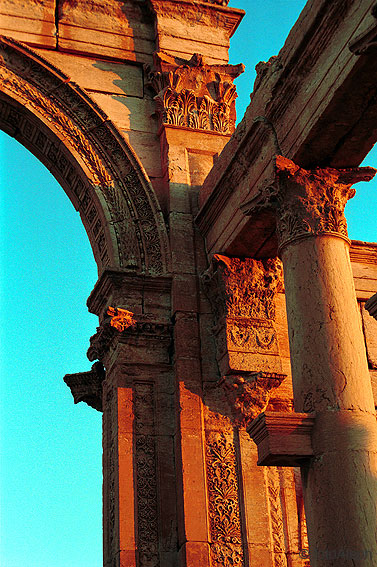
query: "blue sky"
51, 449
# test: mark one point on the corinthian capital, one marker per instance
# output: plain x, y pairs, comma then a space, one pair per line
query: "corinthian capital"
308, 202
312, 202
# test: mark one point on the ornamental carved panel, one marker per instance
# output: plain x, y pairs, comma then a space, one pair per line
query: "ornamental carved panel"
276, 516
146, 475
223, 500
242, 294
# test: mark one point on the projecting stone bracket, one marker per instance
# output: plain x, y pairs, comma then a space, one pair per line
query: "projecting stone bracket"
283, 439
249, 393
87, 386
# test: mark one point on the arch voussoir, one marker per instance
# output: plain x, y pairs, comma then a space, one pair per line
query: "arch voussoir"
101, 174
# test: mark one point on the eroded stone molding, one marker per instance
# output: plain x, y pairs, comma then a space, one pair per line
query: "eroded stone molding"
144, 327
308, 202
87, 386
244, 287
223, 505
194, 94
210, 14
111, 190
249, 393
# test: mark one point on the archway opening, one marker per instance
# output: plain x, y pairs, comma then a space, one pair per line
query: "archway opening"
51, 450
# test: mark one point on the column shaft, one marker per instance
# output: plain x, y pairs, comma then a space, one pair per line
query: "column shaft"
329, 366
331, 377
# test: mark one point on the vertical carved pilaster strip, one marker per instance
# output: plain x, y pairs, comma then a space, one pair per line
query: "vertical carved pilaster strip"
109, 468
146, 476
276, 516
223, 507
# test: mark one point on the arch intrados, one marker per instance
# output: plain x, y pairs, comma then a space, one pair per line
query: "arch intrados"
57, 121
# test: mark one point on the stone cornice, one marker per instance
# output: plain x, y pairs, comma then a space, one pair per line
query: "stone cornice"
363, 252
319, 138
107, 337
113, 279
283, 439
211, 13
87, 386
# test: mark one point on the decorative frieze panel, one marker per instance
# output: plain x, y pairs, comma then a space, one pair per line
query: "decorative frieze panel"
242, 293
110, 467
146, 475
194, 94
223, 501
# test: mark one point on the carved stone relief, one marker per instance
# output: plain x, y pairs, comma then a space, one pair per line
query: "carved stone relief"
223, 505
308, 202
146, 476
194, 94
242, 295
249, 394
276, 516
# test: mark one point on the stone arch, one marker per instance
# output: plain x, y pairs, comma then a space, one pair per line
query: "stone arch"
58, 122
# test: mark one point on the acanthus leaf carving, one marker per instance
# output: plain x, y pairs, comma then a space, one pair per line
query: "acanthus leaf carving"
223, 506
308, 202
194, 94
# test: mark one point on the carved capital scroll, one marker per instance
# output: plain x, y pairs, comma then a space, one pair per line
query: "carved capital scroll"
193, 94
308, 202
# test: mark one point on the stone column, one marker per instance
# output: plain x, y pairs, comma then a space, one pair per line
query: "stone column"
329, 366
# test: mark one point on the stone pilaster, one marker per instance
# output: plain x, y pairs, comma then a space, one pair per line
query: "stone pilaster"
133, 342
329, 366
